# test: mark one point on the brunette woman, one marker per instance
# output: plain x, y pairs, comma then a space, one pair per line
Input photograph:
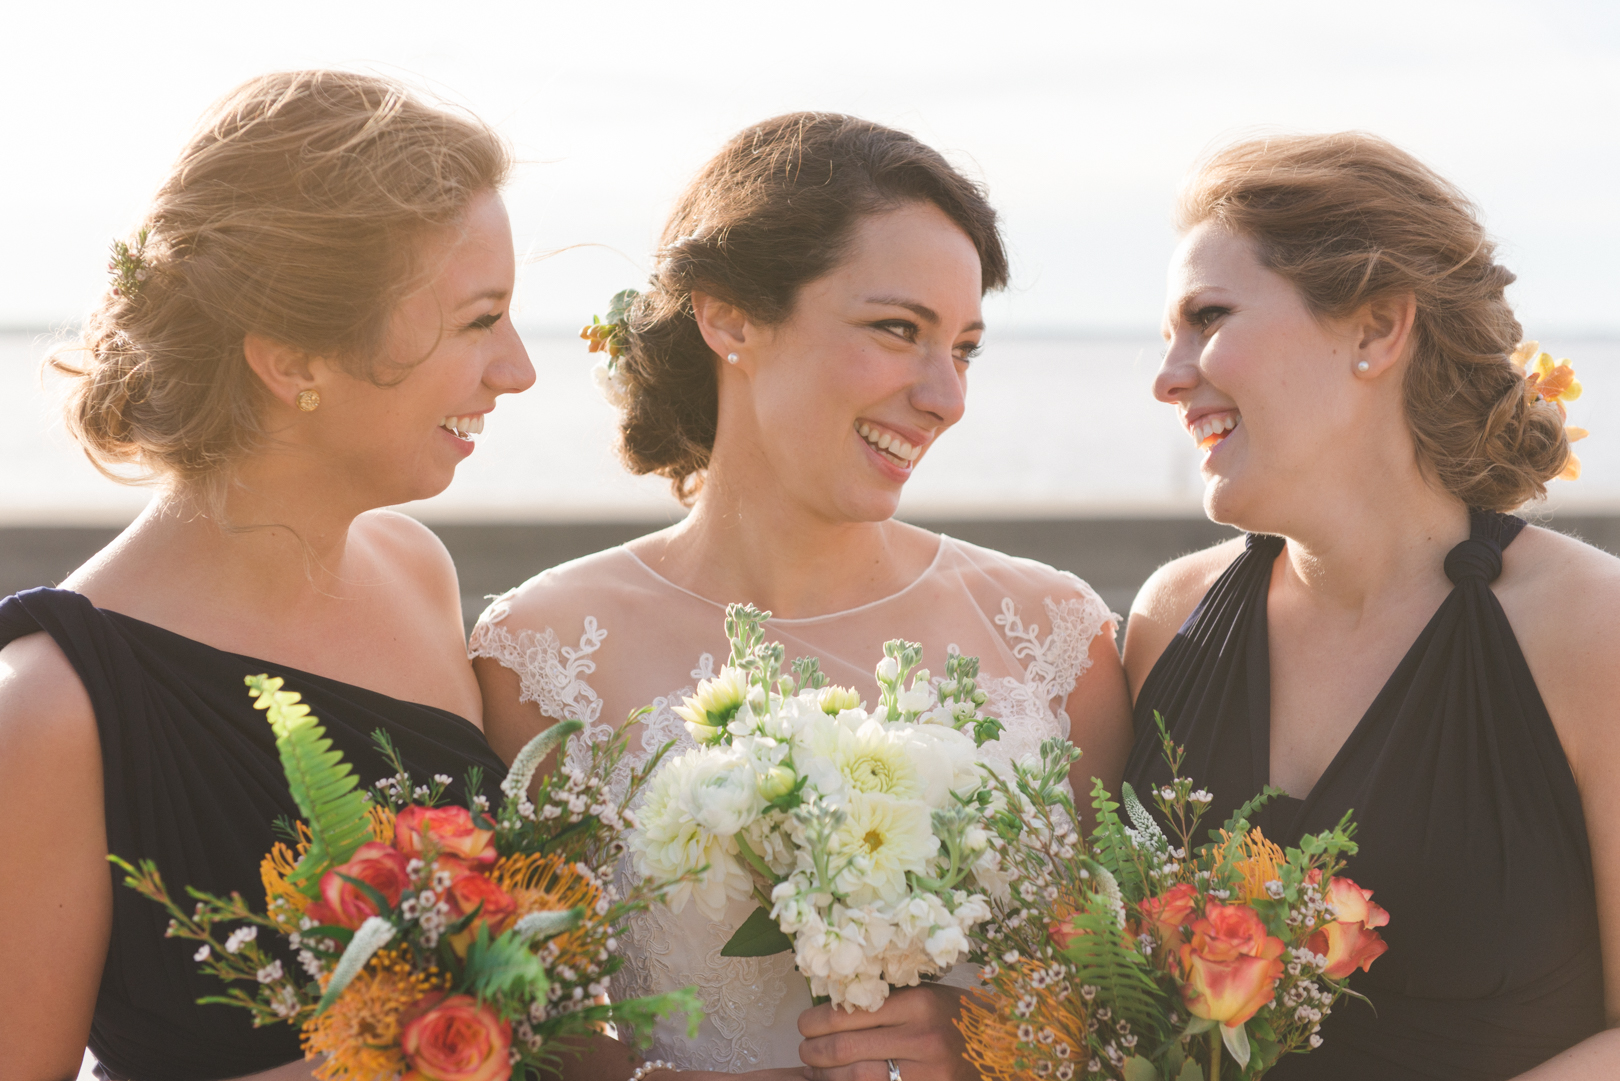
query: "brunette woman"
1387, 639
806, 340
307, 327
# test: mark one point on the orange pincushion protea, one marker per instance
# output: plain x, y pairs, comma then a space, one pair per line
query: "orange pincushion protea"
1005, 1047
360, 1032
546, 883
285, 902
1259, 865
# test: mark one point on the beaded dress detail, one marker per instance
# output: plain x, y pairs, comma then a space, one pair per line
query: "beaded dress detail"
643, 640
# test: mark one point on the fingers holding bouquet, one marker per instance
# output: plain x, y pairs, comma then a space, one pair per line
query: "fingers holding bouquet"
915, 1029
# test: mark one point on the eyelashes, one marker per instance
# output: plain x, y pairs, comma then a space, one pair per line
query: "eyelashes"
485, 322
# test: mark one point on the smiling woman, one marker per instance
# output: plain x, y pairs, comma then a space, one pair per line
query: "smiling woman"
805, 343
308, 325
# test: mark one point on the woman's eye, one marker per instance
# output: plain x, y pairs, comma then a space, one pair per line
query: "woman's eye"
900, 327
484, 322
1204, 317
967, 351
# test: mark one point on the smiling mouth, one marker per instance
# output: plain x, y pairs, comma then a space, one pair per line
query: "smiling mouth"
463, 427
1211, 429
888, 444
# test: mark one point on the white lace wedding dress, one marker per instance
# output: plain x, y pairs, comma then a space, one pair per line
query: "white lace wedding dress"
643, 640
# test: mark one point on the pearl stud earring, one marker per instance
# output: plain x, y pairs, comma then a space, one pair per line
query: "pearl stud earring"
732, 358
1362, 366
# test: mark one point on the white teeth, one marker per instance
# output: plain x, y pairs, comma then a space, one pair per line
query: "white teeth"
1214, 424
888, 442
463, 426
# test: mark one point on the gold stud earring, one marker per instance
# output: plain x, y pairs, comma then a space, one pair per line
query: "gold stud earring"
309, 400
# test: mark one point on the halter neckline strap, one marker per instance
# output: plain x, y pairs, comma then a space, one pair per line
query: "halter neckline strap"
1478, 558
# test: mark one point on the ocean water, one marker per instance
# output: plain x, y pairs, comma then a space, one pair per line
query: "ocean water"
1055, 427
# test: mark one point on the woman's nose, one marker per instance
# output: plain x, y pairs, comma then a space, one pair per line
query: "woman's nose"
1178, 372
942, 391
510, 371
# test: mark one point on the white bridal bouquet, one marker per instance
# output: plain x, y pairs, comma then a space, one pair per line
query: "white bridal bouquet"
864, 835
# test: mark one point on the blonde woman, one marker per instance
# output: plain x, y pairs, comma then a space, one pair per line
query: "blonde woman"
1388, 639
806, 340
308, 326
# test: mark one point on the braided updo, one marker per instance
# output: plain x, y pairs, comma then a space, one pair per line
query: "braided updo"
1349, 218
774, 210
297, 212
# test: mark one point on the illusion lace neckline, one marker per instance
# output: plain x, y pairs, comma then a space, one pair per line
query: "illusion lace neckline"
939, 553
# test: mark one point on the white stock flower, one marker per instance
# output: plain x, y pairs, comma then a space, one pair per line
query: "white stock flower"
890, 837
917, 700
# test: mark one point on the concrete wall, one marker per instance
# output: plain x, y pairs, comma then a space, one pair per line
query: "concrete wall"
1114, 555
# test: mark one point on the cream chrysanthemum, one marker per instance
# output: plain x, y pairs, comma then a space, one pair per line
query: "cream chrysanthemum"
888, 837
713, 704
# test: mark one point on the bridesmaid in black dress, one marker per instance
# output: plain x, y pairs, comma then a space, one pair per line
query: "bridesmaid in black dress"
1385, 639
308, 327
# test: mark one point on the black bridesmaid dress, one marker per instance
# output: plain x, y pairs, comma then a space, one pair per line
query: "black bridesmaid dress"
193, 781
1468, 818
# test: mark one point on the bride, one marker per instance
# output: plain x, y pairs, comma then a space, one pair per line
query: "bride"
813, 314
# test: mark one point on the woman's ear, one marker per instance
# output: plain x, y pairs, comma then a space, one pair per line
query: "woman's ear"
1383, 332
283, 369
724, 326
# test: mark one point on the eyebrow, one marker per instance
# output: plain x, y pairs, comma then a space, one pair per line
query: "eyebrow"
488, 294
921, 311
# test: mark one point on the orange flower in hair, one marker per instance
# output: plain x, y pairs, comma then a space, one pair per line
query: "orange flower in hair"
1547, 380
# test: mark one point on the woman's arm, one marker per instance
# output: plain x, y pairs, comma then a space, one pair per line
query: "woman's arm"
1563, 600
1099, 710
55, 882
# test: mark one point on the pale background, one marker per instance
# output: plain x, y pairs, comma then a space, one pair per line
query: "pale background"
1081, 117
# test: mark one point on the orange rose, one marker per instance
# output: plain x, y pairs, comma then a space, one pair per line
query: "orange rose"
1349, 942
451, 830
345, 904
1232, 965
1170, 911
456, 1039
466, 892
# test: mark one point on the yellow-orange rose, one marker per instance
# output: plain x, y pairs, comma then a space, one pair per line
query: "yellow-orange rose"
456, 1039
345, 904
466, 893
1349, 942
1231, 964
1169, 911
451, 831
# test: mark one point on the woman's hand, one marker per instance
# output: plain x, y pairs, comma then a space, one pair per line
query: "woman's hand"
914, 1027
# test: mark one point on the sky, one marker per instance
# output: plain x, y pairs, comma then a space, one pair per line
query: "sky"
1081, 117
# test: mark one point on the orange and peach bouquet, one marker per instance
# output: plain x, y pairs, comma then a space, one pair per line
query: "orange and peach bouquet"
439, 943
1139, 955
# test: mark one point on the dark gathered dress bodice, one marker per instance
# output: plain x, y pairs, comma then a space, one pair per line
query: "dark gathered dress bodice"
193, 781
1468, 819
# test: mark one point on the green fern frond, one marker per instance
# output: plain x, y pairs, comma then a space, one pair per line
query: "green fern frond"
1104, 959
322, 784
503, 967
1111, 844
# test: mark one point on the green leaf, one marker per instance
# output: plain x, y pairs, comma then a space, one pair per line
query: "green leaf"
1236, 1039
1244, 814
1138, 1068
503, 967
757, 937
322, 784
1190, 1072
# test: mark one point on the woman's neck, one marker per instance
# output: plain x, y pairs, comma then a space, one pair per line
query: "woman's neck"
783, 557
1365, 547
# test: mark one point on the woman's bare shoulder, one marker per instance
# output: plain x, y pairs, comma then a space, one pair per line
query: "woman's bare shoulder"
564, 597
1165, 601
45, 714
1562, 597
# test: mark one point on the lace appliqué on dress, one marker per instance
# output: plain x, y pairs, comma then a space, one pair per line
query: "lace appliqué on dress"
550, 675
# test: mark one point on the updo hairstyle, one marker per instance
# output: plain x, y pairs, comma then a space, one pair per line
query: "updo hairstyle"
298, 211
1349, 218
774, 210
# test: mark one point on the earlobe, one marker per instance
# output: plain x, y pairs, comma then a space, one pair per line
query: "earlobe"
1385, 332
724, 326
287, 373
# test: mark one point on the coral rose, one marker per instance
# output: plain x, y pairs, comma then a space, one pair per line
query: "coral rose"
451, 831
1231, 963
345, 904
466, 892
1349, 942
1169, 911
456, 1039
